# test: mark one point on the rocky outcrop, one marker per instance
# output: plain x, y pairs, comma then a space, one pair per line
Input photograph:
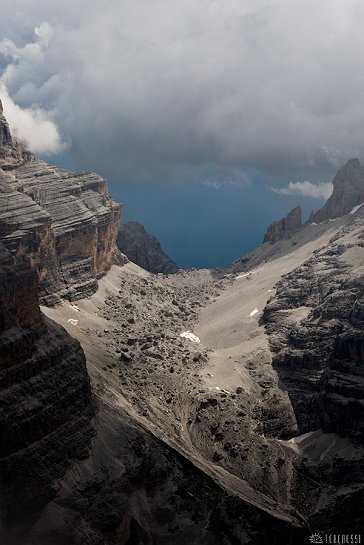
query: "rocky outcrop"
134, 489
348, 192
315, 324
45, 400
284, 227
144, 249
65, 223
318, 356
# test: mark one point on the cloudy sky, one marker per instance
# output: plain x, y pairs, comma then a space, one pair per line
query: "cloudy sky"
208, 117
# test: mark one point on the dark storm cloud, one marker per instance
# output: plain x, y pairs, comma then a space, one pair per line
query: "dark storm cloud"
164, 89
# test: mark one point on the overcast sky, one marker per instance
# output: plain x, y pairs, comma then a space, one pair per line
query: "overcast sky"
204, 91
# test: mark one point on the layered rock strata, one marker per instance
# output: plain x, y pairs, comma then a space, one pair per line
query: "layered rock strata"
316, 321
45, 400
65, 223
315, 324
144, 249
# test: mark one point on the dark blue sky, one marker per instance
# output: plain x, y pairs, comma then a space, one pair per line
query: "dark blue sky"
199, 225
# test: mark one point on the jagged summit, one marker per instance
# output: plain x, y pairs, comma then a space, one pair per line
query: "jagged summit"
144, 249
12, 152
285, 226
348, 192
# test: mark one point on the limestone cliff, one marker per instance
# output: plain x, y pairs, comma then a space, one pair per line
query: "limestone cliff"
284, 227
45, 400
65, 223
315, 323
319, 356
144, 249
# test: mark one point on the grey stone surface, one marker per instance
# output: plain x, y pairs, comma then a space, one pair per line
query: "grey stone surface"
144, 249
149, 453
284, 227
348, 192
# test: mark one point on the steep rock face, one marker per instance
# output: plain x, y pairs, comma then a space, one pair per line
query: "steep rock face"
283, 227
144, 249
348, 192
315, 324
319, 353
18, 298
45, 400
65, 223
134, 489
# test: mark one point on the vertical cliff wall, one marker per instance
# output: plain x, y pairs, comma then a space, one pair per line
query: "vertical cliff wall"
65, 223
284, 227
45, 400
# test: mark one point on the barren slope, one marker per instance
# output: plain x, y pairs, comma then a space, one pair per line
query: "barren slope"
213, 395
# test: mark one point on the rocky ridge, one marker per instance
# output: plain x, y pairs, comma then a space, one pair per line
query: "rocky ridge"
144, 249
234, 431
315, 323
284, 227
73, 470
348, 192
194, 439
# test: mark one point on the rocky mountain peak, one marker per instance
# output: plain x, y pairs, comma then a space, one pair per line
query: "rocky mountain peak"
285, 226
348, 192
144, 249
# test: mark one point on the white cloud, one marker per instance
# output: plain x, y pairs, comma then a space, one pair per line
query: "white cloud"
150, 88
306, 189
32, 125
227, 176
213, 183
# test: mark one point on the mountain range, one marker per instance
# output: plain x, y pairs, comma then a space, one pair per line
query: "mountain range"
204, 407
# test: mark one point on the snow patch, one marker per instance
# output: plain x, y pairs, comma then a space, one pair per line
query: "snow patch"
247, 274
190, 336
72, 321
253, 312
356, 208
